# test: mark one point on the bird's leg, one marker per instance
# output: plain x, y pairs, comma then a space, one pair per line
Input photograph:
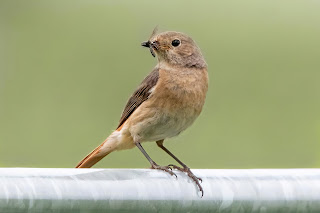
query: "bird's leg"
184, 167
153, 164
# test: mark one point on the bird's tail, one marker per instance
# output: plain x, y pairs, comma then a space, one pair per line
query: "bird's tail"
108, 146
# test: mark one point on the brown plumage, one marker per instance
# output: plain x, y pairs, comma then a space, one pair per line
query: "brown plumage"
167, 101
140, 95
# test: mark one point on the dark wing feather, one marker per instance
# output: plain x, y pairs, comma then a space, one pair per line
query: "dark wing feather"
140, 95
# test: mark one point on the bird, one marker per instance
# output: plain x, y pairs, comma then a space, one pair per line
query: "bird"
166, 102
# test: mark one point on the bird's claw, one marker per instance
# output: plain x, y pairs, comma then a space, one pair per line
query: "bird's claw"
164, 168
190, 174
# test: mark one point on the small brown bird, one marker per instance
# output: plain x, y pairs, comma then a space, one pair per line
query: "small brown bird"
166, 103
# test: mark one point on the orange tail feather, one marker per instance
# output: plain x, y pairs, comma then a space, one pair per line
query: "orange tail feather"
108, 146
96, 155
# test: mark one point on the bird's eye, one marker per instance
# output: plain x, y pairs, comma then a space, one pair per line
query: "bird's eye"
175, 43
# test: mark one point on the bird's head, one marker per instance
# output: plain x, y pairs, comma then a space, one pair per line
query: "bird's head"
176, 49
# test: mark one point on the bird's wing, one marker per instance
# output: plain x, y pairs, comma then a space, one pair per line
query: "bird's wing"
140, 95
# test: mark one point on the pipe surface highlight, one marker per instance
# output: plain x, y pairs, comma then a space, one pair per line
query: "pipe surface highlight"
146, 190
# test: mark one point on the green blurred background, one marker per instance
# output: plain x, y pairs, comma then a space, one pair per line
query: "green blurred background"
67, 69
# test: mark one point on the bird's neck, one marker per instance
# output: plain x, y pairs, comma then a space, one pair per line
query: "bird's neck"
192, 61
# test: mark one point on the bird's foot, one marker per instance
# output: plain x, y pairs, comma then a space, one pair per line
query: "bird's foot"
163, 168
191, 175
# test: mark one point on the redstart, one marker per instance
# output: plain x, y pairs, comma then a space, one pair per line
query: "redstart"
166, 103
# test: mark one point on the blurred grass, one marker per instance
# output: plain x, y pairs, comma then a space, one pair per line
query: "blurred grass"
67, 69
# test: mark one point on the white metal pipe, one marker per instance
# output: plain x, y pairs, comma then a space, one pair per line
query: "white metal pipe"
146, 190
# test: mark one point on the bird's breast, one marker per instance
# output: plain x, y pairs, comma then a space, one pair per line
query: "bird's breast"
178, 97
174, 104
182, 90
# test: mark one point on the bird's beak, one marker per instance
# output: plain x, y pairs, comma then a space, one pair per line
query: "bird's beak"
150, 46
145, 44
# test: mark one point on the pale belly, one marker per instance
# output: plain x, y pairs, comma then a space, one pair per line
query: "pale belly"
164, 125
153, 126
153, 123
